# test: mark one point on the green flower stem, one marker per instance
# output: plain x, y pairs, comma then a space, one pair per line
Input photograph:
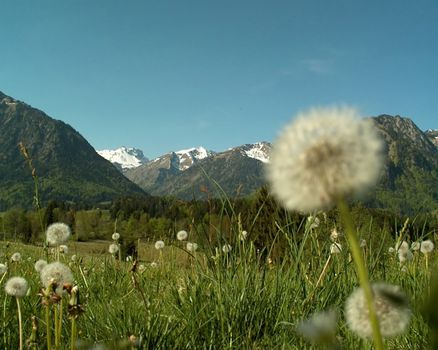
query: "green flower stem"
361, 271
73, 333
48, 330
20, 326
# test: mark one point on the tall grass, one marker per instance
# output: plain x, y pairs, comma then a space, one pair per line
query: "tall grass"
243, 299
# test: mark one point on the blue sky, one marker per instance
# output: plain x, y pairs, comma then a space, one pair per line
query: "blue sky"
166, 75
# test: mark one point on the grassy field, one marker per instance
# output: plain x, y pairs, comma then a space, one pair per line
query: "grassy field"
175, 299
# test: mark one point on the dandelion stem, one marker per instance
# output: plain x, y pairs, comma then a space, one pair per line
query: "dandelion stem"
73, 333
48, 330
361, 271
20, 327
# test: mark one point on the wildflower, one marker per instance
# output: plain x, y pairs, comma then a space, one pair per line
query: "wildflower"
405, 255
39, 265
312, 222
16, 257
182, 235
243, 235
191, 247
427, 247
334, 235
113, 248
3, 269
63, 249
391, 306
320, 328
57, 233
16, 287
115, 236
159, 245
56, 273
335, 248
415, 246
226, 248
322, 155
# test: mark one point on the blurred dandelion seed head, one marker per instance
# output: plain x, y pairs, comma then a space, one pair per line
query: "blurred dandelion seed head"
3, 269
57, 233
392, 309
320, 328
58, 273
192, 247
16, 257
40, 265
159, 245
182, 235
335, 248
324, 154
113, 248
16, 287
115, 236
427, 247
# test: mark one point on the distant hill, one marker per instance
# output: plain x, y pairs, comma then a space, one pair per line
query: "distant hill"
68, 167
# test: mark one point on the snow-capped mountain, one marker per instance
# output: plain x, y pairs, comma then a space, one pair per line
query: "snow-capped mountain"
124, 157
259, 151
188, 157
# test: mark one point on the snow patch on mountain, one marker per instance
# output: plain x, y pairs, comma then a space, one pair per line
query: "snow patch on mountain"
188, 157
258, 150
125, 157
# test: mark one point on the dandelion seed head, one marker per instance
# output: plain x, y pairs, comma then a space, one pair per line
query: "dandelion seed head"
182, 235
16, 257
334, 235
154, 264
57, 233
243, 235
320, 328
402, 247
324, 154
415, 246
113, 248
427, 247
405, 255
16, 287
191, 247
3, 269
58, 273
159, 245
392, 309
335, 248
39, 265
63, 249
391, 250
363, 243
226, 248
115, 236
312, 222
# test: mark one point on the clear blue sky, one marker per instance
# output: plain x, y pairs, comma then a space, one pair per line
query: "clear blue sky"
166, 75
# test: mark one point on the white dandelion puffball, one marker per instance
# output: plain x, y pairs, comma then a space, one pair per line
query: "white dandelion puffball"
415, 246
182, 235
141, 268
391, 250
243, 235
63, 249
392, 309
320, 327
334, 235
402, 247
58, 273
191, 247
115, 236
154, 264
159, 245
16, 287
3, 269
40, 265
405, 255
324, 154
312, 222
113, 248
427, 247
16, 257
226, 248
57, 233
335, 248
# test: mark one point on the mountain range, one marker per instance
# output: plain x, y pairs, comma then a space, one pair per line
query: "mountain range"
67, 166
69, 169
